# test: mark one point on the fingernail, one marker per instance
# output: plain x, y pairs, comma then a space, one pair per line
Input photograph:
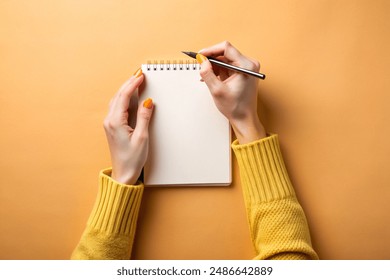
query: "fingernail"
200, 58
138, 73
148, 103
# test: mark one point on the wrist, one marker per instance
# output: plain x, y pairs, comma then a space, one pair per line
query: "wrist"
126, 179
248, 130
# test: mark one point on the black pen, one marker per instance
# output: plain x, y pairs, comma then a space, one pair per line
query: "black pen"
232, 67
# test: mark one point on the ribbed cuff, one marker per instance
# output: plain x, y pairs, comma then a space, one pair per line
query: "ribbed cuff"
117, 206
263, 173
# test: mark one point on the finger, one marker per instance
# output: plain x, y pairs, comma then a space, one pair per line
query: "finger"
224, 49
208, 75
121, 101
144, 115
133, 108
114, 99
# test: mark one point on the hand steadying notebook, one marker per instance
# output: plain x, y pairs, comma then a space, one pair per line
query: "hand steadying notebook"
189, 138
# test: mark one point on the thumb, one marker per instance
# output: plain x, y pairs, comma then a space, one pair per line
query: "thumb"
207, 73
144, 115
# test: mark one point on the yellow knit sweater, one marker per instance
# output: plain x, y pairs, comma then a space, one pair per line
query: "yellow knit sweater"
277, 222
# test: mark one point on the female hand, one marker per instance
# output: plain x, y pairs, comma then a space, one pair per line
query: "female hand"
128, 142
235, 94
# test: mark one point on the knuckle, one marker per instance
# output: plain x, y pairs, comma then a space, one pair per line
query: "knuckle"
253, 65
145, 115
227, 44
218, 91
108, 124
256, 65
142, 137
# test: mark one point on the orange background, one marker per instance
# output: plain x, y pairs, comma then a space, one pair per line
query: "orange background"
327, 95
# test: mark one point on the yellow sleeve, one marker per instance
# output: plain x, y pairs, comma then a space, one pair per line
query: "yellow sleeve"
278, 225
111, 226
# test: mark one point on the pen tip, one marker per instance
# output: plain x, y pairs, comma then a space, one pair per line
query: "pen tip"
191, 54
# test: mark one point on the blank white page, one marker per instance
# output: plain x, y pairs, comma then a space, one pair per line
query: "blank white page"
189, 138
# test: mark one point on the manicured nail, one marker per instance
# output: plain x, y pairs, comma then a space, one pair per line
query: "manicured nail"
148, 103
138, 73
200, 58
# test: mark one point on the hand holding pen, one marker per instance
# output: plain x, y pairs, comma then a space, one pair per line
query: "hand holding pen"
234, 94
229, 66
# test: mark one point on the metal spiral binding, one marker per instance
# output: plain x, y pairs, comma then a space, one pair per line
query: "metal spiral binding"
167, 65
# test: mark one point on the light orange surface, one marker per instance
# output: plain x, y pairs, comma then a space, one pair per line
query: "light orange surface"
327, 95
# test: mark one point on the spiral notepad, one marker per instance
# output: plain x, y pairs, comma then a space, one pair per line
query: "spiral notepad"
189, 138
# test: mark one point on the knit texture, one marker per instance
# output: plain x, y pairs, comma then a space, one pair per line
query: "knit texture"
276, 220
111, 226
